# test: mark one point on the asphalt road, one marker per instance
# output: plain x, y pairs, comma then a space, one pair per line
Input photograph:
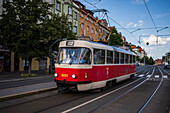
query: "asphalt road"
147, 92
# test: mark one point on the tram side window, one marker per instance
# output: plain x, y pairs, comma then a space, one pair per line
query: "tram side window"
116, 57
109, 57
122, 59
126, 58
130, 58
134, 59
99, 56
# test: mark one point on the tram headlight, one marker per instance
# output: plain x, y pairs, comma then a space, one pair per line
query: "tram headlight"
74, 76
56, 74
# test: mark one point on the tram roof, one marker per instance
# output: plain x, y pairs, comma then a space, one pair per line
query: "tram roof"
90, 44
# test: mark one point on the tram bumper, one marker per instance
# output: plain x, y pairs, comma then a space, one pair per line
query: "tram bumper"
64, 83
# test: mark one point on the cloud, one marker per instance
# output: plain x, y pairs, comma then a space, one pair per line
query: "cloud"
153, 40
140, 21
162, 15
129, 24
133, 24
138, 1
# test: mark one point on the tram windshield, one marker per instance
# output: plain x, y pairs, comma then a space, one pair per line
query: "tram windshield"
75, 56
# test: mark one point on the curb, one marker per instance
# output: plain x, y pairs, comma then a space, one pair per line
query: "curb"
19, 95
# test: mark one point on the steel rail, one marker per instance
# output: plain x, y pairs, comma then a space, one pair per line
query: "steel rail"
146, 103
97, 98
164, 70
99, 108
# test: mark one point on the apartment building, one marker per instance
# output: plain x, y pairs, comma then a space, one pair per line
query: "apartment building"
87, 23
103, 26
70, 9
139, 51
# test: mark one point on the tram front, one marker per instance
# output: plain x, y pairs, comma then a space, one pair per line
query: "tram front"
74, 65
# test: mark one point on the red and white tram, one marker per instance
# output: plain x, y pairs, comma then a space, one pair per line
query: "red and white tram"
89, 65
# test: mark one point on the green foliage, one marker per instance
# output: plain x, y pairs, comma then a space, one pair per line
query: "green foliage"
115, 38
28, 28
148, 60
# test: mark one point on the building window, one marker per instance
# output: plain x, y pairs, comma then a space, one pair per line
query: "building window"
5, 1
75, 29
88, 18
91, 21
91, 30
58, 6
87, 28
75, 15
96, 31
82, 15
62, 8
99, 56
69, 10
69, 26
82, 25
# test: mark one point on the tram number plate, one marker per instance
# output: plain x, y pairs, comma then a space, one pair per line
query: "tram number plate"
64, 75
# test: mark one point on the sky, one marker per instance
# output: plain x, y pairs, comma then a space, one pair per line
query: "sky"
134, 17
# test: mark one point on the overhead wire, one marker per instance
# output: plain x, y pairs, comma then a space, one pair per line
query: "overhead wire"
151, 19
150, 15
114, 21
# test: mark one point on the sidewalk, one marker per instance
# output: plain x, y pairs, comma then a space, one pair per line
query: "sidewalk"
15, 92
16, 76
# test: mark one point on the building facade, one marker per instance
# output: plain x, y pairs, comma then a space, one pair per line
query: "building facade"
71, 10
87, 23
103, 26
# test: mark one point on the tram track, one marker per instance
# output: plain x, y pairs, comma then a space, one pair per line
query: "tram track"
47, 97
140, 80
92, 99
149, 99
98, 108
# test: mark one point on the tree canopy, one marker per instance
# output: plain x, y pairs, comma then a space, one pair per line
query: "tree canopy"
148, 60
115, 38
28, 28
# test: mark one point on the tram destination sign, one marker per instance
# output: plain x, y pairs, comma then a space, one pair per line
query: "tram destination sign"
70, 43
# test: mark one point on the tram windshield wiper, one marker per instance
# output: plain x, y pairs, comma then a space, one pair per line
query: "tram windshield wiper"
59, 62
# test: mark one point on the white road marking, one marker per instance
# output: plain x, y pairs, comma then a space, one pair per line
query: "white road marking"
156, 76
165, 76
148, 76
141, 75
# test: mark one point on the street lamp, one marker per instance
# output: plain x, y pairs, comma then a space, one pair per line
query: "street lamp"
50, 51
135, 30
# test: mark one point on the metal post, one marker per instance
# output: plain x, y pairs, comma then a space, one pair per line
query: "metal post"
50, 56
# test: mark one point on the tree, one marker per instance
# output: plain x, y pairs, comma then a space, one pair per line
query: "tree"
115, 38
28, 28
151, 61
148, 60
